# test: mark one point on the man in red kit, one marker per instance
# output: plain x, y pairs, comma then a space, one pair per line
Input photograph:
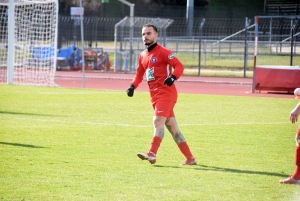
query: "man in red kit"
161, 68
295, 177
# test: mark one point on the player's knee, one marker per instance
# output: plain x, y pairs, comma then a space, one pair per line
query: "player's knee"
298, 140
170, 122
298, 137
158, 122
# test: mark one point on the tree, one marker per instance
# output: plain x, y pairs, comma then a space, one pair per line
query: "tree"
89, 5
237, 3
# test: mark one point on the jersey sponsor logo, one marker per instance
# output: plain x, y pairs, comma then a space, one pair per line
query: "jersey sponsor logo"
150, 74
171, 56
153, 60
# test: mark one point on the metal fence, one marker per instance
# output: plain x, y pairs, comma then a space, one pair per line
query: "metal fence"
219, 44
279, 39
128, 43
96, 29
102, 29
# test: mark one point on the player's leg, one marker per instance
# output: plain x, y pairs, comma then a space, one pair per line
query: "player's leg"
158, 122
172, 127
295, 177
159, 133
296, 174
178, 137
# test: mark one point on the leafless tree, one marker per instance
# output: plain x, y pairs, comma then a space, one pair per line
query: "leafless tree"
94, 6
89, 5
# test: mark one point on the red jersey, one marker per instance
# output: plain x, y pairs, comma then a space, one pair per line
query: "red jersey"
157, 65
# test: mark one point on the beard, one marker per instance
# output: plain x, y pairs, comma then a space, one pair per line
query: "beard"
148, 43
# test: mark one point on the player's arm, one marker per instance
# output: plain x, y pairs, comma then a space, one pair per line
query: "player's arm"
177, 66
295, 113
138, 78
178, 69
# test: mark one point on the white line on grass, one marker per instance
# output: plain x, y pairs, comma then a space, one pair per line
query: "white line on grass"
236, 123
100, 91
81, 92
141, 126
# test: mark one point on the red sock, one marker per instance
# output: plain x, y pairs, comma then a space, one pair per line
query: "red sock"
296, 174
155, 144
184, 148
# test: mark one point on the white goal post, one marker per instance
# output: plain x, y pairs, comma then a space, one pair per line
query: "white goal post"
28, 41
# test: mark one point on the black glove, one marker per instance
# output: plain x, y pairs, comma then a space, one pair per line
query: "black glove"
130, 90
170, 80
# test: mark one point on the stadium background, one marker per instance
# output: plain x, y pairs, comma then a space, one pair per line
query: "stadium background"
222, 19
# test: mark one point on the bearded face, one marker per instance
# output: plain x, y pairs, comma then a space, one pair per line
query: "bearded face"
149, 36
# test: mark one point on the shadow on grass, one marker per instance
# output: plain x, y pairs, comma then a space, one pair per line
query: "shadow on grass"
22, 113
21, 145
165, 166
221, 169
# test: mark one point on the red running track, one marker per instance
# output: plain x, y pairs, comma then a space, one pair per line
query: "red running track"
186, 84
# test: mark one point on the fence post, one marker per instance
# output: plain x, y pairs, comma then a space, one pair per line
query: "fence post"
293, 25
164, 36
255, 53
270, 35
246, 47
204, 51
200, 35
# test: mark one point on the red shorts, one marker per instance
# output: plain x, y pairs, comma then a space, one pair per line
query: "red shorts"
164, 108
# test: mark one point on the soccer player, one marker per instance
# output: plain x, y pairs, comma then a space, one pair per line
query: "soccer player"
295, 177
162, 68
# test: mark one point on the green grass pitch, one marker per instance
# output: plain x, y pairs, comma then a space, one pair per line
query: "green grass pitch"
81, 144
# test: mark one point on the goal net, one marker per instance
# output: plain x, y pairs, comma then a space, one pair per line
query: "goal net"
34, 42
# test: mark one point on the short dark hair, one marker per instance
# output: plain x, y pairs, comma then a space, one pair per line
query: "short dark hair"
151, 25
